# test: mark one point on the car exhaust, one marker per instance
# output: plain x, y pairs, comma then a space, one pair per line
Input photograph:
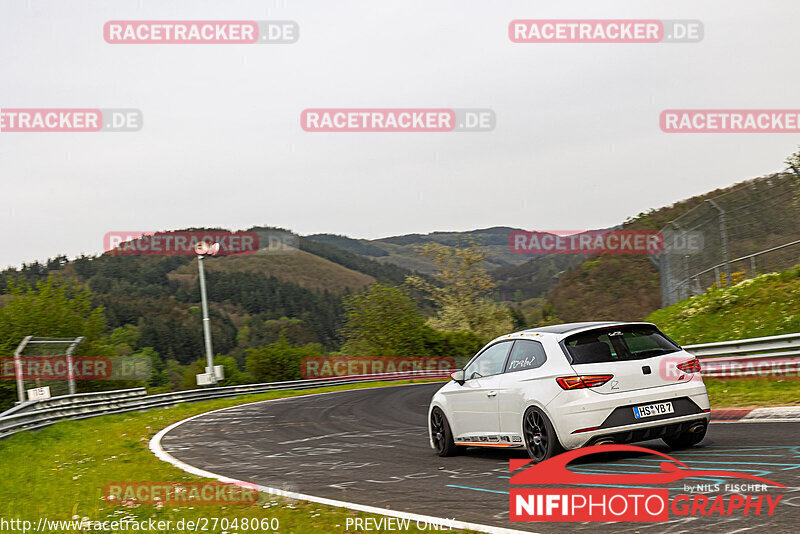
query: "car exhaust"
604, 441
697, 428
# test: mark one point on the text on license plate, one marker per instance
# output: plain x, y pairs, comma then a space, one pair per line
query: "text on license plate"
649, 410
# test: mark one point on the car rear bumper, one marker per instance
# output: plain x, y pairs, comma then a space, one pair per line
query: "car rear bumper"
634, 433
587, 416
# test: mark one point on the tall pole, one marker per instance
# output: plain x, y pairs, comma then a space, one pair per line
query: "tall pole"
206, 325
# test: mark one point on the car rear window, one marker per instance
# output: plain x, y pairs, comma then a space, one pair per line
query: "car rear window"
621, 343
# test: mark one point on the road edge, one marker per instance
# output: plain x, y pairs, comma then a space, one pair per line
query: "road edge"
161, 454
775, 414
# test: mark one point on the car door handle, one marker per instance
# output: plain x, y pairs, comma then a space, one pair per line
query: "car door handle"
491, 394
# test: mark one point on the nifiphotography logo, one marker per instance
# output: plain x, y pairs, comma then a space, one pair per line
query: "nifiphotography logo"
616, 502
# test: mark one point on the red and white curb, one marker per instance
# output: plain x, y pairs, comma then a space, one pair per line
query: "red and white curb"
778, 414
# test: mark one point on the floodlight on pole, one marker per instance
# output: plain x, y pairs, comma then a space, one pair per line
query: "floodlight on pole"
205, 249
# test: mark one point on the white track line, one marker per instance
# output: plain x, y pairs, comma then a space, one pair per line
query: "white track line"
161, 454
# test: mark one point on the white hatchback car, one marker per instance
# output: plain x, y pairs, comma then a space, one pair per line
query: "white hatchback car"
566, 386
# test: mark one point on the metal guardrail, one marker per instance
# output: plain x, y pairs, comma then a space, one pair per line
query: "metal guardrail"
771, 356
37, 414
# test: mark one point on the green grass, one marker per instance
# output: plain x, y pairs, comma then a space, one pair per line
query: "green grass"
763, 306
60, 471
752, 393
766, 305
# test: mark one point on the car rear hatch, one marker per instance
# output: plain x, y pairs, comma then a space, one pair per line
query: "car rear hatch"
638, 356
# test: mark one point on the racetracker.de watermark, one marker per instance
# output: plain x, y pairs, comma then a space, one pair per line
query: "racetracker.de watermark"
600, 242
397, 120
59, 368
605, 31
747, 367
730, 121
70, 120
183, 243
181, 493
201, 32
333, 366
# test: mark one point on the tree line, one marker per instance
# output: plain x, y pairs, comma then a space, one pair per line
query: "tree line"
262, 327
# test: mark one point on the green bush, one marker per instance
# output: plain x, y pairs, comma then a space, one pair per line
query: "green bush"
766, 305
279, 361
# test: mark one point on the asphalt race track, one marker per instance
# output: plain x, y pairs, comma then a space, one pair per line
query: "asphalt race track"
370, 447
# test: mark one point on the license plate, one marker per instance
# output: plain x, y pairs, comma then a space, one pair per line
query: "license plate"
650, 410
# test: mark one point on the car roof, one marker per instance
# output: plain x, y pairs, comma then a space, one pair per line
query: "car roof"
563, 330
572, 327
560, 331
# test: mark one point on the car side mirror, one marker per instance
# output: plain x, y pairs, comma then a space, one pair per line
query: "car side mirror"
458, 376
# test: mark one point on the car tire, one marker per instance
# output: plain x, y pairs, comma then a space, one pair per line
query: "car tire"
541, 440
442, 435
686, 439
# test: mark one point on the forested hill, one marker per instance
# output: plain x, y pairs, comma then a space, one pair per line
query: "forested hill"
402, 250
254, 298
762, 212
517, 276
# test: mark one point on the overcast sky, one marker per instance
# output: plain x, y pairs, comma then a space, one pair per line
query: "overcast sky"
577, 143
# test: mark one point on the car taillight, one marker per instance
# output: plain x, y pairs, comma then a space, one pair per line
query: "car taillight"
583, 381
690, 366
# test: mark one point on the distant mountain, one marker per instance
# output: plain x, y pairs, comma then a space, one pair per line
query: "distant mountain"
497, 235
517, 275
362, 247
401, 250
534, 278
387, 273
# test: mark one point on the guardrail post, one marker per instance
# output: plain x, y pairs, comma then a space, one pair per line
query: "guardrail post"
70, 374
723, 235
